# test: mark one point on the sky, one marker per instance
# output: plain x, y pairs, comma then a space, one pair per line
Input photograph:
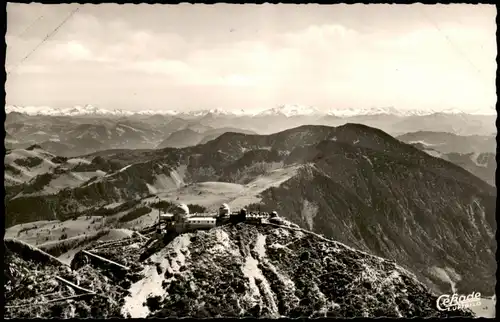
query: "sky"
252, 57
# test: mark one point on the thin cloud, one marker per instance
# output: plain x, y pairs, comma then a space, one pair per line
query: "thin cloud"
451, 64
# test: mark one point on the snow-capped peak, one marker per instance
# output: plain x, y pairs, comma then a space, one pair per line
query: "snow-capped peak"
452, 111
286, 110
289, 110
79, 110
417, 112
213, 111
157, 112
89, 110
349, 112
30, 110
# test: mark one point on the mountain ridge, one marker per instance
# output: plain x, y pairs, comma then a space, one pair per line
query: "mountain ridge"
352, 182
287, 110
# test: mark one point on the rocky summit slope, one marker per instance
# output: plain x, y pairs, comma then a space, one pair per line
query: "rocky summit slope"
237, 270
439, 225
483, 165
36, 289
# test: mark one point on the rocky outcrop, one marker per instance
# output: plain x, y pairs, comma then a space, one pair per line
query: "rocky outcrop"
236, 270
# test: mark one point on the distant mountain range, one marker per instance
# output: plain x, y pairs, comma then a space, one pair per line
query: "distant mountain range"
288, 110
164, 123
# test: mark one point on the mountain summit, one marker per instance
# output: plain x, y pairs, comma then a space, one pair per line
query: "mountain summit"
236, 270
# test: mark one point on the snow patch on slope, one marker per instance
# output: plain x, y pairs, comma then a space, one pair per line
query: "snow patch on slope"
117, 233
76, 161
271, 179
174, 180
487, 309
151, 285
368, 159
474, 157
253, 273
309, 211
29, 172
213, 194
424, 143
446, 275
223, 244
164, 183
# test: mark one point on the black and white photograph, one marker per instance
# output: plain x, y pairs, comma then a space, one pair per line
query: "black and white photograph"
250, 161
